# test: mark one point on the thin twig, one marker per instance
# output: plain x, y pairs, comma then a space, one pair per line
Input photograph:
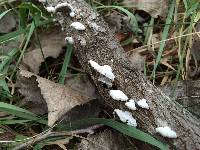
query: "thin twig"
51, 134
41, 138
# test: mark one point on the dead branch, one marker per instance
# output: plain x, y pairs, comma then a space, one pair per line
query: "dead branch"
98, 43
50, 134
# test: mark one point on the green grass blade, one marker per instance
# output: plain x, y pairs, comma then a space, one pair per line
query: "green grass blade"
32, 28
66, 62
149, 30
8, 59
192, 9
4, 85
123, 128
23, 17
164, 37
185, 4
20, 112
10, 121
4, 67
10, 36
4, 13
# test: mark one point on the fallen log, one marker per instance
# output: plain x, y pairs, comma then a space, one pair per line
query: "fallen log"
97, 42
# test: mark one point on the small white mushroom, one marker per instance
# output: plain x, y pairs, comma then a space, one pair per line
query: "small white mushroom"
118, 95
65, 4
104, 70
166, 132
51, 9
126, 117
131, 104
72, 14
42, 1
78, 26
143, 103
70, 40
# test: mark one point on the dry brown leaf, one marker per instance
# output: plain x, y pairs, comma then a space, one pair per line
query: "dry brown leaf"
33, 100
60, 99
52, 42
154, 7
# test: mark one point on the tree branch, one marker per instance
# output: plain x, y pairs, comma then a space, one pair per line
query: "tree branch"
98, 43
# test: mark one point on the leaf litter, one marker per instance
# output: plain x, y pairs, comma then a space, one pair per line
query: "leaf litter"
51, 42
59, 98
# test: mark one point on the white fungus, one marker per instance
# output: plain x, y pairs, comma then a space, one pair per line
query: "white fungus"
143, 103
51, 9
131, 104
42, 1
126, 117
72, 14
60, 5
70, 40
118, 95
104, 70
166, 132
78, 26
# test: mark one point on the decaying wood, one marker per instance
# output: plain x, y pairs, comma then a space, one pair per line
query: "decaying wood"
98, 43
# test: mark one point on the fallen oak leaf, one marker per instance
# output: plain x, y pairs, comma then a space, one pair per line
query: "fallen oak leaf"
59, 98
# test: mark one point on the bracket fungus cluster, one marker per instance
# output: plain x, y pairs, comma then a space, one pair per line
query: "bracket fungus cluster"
126, 116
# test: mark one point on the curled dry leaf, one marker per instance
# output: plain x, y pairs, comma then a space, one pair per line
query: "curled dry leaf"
154, 7
51, 42
59, 99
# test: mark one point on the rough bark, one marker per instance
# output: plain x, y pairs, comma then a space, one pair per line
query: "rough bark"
98, 43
